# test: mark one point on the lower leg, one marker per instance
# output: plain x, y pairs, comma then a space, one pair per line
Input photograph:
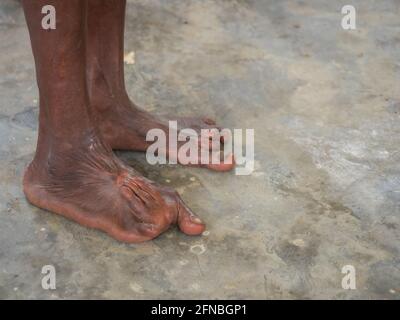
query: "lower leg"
74, 173
123, 124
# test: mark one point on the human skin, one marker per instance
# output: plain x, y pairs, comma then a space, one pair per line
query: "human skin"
123, 124
74, 172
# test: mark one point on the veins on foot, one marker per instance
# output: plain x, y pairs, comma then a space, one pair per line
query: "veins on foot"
90, 185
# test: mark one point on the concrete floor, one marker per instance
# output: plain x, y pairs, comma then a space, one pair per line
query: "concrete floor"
325, 106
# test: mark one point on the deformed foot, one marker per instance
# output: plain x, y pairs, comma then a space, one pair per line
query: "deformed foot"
89, 185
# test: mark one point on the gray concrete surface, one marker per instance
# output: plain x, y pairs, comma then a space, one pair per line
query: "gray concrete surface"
325, 106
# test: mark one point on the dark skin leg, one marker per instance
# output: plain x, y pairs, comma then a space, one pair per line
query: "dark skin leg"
123, 124
74, 172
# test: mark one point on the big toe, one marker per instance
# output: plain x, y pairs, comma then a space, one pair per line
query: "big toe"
188, 222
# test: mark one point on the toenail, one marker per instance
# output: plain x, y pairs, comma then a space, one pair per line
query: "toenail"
196, 220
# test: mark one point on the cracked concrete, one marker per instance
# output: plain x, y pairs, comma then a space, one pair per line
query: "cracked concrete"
325, 106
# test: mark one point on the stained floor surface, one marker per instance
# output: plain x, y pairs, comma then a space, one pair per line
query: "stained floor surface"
325, 106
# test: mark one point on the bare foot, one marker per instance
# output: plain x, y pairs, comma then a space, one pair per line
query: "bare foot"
85, 182
124, 126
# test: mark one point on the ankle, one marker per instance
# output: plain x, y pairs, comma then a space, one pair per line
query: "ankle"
105, 92
50, 147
